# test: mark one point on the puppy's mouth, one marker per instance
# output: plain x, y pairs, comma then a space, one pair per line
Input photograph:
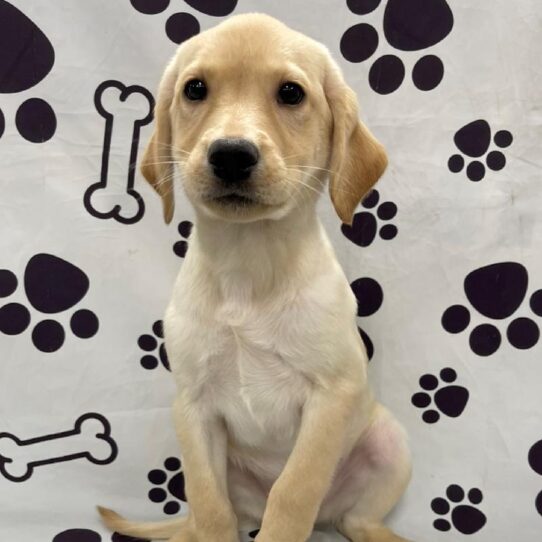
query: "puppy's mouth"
234, 199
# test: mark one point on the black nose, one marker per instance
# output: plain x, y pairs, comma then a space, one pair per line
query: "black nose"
232, 159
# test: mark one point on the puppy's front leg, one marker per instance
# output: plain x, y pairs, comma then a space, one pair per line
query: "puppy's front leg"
296, 496
203, 441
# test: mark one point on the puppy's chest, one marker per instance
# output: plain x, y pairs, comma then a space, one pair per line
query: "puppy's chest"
255, 386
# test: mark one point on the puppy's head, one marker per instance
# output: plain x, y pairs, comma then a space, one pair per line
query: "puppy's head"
256, 116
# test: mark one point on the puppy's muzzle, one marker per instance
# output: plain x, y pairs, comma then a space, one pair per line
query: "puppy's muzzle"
232, 159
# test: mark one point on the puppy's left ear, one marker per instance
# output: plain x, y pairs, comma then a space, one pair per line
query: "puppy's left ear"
357, 160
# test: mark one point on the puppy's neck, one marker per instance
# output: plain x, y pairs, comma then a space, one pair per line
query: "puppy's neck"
251, 261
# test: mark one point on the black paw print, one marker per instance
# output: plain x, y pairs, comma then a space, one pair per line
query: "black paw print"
450, 399
535, 461
474, 140
52, 286
182, 26
496, 291
174, 487
26, 59
369, 296
408, 25
465, 518
364, 225
86, 535
149, 343
180, 247
77, 535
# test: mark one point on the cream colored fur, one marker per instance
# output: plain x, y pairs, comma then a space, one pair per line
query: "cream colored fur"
276, 422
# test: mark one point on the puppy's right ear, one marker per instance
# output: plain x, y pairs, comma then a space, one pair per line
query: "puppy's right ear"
157, 162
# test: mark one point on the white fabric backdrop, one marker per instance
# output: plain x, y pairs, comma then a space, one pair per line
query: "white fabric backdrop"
81, 293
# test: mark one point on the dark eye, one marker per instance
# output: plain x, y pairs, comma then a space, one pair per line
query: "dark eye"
290, 93
195, 89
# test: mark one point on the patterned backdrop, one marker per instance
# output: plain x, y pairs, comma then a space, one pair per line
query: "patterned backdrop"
444, 256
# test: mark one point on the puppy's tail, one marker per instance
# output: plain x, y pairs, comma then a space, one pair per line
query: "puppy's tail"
158, 529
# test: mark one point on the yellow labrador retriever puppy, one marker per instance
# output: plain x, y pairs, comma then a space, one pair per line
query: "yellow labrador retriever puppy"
275, 418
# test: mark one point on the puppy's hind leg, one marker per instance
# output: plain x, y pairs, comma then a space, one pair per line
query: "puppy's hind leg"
389, 472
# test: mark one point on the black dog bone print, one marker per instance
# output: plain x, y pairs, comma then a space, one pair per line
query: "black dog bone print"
26, 57
496, 291
182, 26
125, 110
535, 462
89, 439
52, 285
408, 25
465, 518
473, 140
87, 535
